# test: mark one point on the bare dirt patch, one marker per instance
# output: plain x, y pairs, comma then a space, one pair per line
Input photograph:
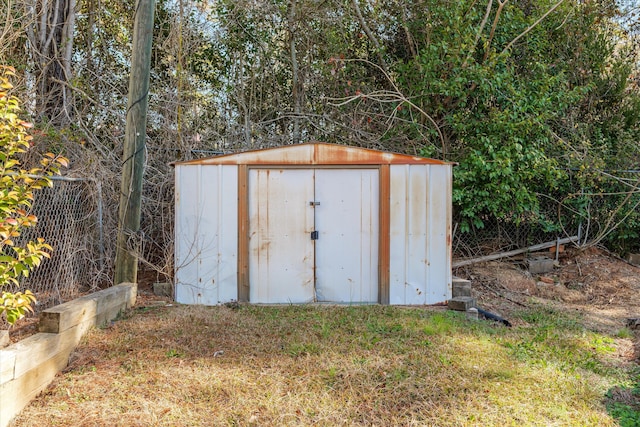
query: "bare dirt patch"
604, 289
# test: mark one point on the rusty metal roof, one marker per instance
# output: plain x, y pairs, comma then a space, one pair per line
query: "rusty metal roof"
313, 153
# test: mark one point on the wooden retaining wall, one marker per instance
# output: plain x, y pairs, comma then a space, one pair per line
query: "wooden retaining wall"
28, 366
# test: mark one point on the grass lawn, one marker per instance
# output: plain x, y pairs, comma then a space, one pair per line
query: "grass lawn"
331, 366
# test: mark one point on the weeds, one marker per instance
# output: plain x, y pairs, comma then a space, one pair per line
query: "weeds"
623, 403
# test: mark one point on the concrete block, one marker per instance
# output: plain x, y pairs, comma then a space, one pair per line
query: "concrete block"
472, 313
540, 265
634, 259
461, 287
461, 303
163, 289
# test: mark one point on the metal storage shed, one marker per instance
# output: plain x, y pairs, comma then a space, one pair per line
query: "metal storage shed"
313, 223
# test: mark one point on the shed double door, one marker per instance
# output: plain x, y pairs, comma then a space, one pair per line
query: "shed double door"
313, 235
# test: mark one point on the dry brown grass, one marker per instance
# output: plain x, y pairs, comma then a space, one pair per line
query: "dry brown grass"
328, 366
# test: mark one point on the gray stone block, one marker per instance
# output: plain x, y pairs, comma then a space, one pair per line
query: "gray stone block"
461, 287
540, 265
461, 303
634, 259
472, 313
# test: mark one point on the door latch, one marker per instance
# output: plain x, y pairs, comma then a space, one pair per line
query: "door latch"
314, 203
314, 235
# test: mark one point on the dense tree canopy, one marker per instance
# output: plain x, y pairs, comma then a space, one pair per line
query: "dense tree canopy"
536, 100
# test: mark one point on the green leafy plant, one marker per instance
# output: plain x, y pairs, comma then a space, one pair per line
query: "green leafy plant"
17, 185
623, 404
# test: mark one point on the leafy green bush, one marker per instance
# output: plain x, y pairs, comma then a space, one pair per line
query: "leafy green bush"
16, 194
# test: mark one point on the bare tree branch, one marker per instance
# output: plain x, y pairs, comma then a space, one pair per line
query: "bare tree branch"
531, 27
370, 35
386, 96
487, 48
478, 33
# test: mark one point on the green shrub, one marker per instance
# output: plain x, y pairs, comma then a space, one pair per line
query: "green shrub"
16, 194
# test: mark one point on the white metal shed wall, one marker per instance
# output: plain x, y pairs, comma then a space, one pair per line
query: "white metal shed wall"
206, 234
212, 223
420, 212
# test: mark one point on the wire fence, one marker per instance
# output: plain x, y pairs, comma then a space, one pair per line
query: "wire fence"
70, 220
497, 235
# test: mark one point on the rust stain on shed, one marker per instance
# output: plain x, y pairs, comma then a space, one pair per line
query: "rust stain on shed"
412, 207
314, 153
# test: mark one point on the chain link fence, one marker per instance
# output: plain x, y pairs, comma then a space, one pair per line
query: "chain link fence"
70, 220
503, 235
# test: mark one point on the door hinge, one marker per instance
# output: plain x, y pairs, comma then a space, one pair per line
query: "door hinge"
314, 235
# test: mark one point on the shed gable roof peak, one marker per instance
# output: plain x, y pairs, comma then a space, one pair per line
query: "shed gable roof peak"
313, 153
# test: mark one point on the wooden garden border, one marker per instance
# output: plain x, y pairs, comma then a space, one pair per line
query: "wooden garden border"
28, 366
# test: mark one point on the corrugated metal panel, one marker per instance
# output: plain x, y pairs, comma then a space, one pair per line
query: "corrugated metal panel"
280, 247
418, 239
186, 212
314, 154
439, 230
206, 241
420, 223
347, 248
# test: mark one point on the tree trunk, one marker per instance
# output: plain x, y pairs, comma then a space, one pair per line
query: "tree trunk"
51, 35
295, 73
134, 146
